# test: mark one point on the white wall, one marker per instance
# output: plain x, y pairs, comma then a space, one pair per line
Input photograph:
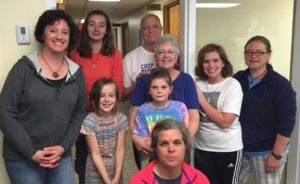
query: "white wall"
13, 12
232, 27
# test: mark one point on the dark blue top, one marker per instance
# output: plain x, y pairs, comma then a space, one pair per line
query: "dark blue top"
184, 90
268, 108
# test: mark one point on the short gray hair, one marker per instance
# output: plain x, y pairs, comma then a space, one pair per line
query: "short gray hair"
166, 39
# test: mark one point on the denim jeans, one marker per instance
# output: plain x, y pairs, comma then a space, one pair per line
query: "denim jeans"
29, 172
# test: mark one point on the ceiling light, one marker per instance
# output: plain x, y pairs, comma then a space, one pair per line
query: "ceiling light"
105, 0
216, 5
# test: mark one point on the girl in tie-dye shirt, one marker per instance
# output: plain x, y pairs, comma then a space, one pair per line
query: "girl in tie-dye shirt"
159, 107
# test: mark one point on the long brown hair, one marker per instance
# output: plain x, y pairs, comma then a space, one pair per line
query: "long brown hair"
108, 48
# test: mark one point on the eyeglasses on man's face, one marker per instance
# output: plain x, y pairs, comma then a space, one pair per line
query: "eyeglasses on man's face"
255, 53
166, 53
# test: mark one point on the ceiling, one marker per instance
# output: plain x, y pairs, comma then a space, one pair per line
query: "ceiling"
78, 9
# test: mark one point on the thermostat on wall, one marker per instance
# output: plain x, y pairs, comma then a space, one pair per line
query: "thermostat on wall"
23, 34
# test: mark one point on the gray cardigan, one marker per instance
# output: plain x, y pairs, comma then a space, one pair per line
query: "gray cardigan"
35, 114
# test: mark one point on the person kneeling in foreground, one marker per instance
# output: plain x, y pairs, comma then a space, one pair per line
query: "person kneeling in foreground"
170, 142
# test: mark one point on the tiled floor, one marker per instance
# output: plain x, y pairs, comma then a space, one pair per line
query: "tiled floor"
129, 166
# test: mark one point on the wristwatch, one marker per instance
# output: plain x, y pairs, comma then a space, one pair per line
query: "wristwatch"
277, 157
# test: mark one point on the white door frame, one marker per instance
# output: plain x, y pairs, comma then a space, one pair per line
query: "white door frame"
187, 36
293, 164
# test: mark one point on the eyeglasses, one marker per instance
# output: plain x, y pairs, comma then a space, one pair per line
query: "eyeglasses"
166, 53
256, 53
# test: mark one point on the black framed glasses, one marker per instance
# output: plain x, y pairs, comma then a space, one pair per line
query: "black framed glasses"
255, 53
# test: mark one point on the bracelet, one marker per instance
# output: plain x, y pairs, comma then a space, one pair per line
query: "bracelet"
277, 157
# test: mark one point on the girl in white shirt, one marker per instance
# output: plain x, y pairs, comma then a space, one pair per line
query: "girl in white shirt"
218, 142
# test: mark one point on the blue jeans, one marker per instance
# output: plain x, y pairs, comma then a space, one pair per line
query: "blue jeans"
29, 172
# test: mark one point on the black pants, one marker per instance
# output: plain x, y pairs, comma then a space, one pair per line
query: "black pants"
81, 156
137, 157
219, 167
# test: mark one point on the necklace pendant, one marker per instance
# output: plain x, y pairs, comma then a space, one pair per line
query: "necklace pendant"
55, 75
